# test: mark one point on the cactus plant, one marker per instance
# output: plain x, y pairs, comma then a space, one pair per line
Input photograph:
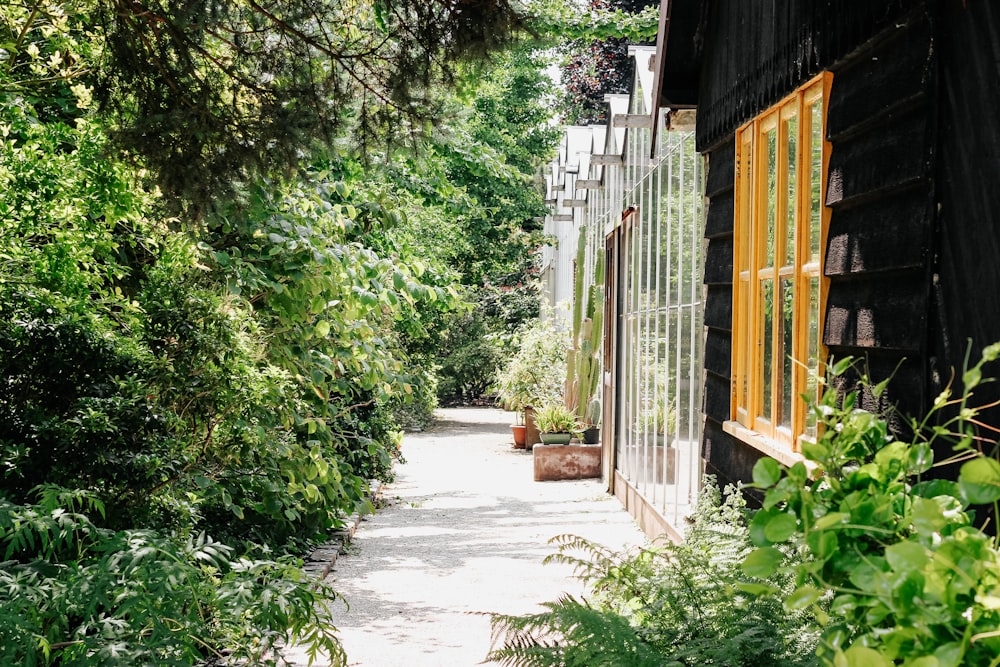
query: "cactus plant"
583, 365
593, 411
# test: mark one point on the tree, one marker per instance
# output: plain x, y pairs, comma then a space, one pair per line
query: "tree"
602, 66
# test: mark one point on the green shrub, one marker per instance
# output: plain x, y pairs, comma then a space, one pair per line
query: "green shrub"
913, 581
76, 595
535, 374
468, 357
669, 604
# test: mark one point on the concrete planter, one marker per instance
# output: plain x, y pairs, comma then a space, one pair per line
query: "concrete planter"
555, 462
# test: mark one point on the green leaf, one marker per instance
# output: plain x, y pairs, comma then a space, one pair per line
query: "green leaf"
802, 597
322, 329
972, 377
907, 557
762, 562
780, 527
841, 366
861, 656
757, 589
766, 472
815, 451
831, 519
979, 481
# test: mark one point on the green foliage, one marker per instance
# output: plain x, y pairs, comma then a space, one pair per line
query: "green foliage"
213, 336
469, 353
556, 418
914, 582
74, 594
564, 21
534, 375
669, 604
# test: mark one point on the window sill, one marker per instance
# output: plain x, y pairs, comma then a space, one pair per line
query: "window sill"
761, 443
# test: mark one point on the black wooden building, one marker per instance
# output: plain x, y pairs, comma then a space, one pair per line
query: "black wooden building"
911, 179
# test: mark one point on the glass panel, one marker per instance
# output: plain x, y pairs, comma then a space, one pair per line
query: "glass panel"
815, 179
772, 192
743, 340
812, 362
787, 366
791, 131
767, 306
743, 224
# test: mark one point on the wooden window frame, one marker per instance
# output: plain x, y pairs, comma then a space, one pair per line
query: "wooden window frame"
764, 261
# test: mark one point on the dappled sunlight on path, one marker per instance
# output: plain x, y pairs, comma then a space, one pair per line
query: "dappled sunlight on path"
465, 531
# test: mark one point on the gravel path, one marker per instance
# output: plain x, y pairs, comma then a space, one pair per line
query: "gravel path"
465, 531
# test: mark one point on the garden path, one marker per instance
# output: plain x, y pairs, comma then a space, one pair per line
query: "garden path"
464, 531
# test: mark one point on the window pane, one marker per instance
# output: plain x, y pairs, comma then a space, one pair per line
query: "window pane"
787, 367
791, 131
772, 192
816, 178
744, 342
812, 361
767, 305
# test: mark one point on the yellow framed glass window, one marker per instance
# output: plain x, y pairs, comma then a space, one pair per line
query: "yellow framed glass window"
778, 286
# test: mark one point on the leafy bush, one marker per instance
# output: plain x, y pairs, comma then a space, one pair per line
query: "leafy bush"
914, 582
535, 374
669, 604
76, 595
469, 355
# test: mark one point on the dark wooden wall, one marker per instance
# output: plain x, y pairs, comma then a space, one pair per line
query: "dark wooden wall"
756, 51
882, 124
967, 294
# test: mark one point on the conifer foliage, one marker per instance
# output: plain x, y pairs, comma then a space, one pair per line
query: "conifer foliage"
207, 93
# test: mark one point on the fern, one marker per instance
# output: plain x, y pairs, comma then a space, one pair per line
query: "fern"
570, 633
665, 604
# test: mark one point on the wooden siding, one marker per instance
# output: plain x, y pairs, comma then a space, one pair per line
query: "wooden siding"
881, 123
757, 52
725, 457
968, 171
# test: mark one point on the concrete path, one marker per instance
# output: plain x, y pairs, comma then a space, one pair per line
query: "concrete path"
465, 531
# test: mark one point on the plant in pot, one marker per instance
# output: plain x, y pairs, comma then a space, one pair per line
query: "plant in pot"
592, 423
557, 424
661, 455
533, 376
661, 421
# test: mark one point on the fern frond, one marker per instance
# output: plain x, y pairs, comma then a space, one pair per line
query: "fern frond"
570, 633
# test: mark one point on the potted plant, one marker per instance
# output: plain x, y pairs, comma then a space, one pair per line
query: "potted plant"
556, 424
661, 422
533, 376
592, 423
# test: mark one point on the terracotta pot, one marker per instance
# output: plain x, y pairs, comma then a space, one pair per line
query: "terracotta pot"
520, 433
